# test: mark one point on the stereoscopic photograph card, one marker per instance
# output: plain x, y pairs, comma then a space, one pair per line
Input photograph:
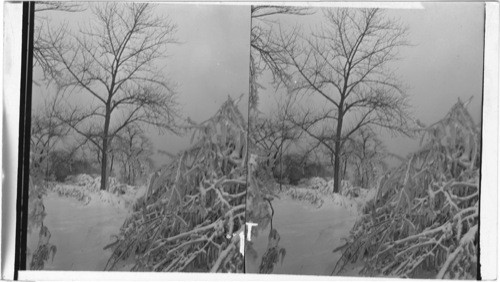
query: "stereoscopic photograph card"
254, 139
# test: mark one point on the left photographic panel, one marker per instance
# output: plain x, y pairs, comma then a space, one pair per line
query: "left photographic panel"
138, 145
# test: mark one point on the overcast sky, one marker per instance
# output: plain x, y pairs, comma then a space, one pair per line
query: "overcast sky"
445, 62
210, 63
213, 61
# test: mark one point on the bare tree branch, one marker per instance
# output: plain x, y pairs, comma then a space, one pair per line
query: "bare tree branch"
112, 60
347, 61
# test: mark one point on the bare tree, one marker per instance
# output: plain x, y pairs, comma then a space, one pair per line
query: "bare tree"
46, 132
43, 6
264, 51
366, 154
41, 46
134, 153
112, 63
348, 64
274, 133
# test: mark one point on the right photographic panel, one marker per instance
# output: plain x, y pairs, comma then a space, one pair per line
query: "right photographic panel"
365, 140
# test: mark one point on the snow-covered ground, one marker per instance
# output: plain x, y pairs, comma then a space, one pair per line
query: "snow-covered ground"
81, 229
308, 233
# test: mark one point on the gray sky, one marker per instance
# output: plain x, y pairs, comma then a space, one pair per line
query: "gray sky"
444, 63
213, 61
210, 64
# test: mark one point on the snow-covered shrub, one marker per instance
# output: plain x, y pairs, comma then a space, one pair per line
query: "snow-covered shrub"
327, 187
80, 180
310, 196
84, 187
118, 188
259, 210
71, 191
424, 216
44, 251
36, 215
274, 253
346, 188
317, 183
84, 180
304, 182
192, 207
350, 191
36, 209
320, 190
70, 179
113, 185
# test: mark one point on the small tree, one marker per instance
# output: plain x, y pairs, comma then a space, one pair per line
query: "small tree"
134, 153
46, 132
347, 63
275, 134
365, 153
112, 63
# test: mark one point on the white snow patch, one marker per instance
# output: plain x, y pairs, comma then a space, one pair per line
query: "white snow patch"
82, 228
320, 192
308, 234
311, 222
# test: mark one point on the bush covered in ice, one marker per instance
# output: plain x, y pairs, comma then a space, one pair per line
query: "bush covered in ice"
309, 196
183, 221
93, 184
424, 216
71, 191
84, 187
317, 183
80, 179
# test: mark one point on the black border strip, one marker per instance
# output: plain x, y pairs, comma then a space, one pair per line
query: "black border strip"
24, 137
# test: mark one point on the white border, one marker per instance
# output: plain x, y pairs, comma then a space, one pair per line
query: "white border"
12, 28
490, 147
1, 152
489, 196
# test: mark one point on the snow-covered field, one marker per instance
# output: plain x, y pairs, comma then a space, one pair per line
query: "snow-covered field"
80, 229
309, 232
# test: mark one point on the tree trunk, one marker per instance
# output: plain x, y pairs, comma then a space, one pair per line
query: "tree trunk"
104, 165
336, 169
338, 148
123, 172
129, 173
344, 173
112, 162
105, 141
47, 167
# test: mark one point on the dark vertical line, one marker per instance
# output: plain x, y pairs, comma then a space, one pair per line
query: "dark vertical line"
248, 137
24, 137
478, 275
